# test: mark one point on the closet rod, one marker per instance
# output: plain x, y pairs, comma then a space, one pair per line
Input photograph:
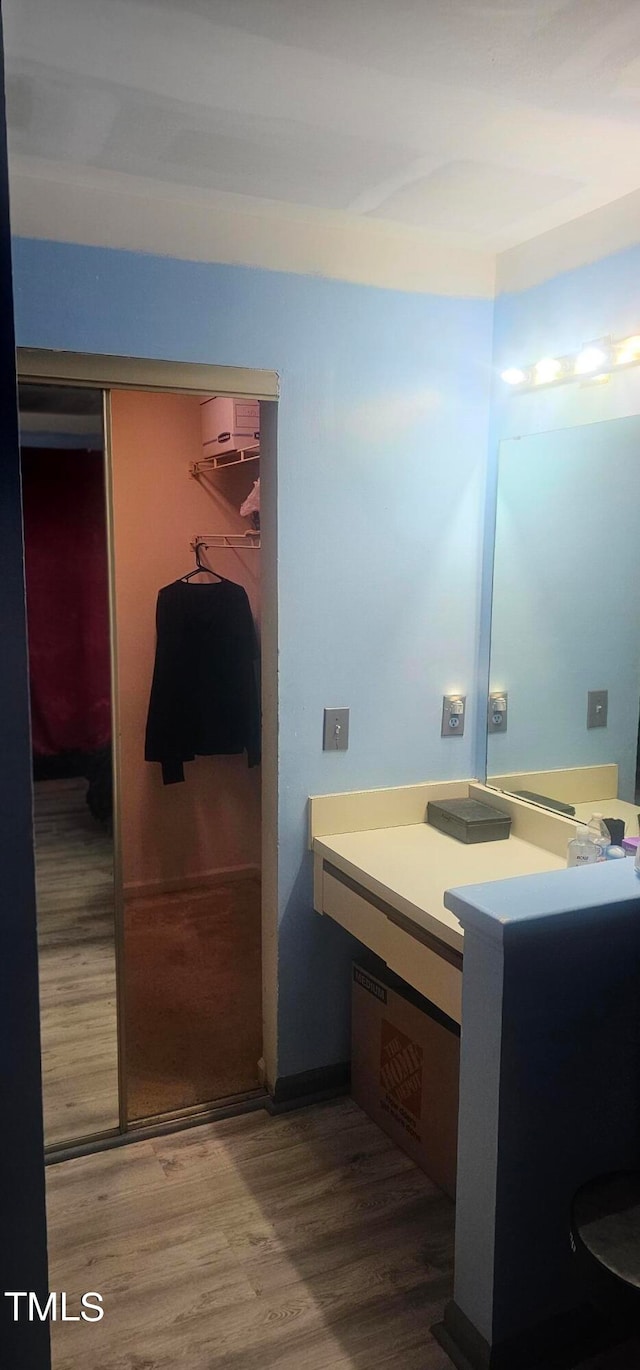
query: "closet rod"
246, 540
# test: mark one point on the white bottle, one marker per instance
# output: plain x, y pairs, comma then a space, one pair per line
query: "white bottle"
581, 850
598, 833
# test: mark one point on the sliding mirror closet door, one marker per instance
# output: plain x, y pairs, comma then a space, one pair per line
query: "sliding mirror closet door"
190, 827
67, 580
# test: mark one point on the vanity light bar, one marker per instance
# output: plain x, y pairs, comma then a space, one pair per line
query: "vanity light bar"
595, 361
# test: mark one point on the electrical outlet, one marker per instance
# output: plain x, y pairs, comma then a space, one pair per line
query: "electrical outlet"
597, 708
454, 709
498, 711
335, 737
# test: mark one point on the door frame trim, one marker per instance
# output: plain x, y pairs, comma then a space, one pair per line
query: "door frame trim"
107, 372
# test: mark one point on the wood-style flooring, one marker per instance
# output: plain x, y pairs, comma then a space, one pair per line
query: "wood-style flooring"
74, 875
193, 996
290, 1243
302, 1242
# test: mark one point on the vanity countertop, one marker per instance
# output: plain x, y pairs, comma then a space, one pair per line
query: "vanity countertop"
611, 808
411, 866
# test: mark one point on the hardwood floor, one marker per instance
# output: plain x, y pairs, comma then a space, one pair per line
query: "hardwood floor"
193, 995
74, 876
291, 1243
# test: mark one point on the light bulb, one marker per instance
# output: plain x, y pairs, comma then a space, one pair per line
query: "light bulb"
513, 375
547, 370
628, 352
589, 360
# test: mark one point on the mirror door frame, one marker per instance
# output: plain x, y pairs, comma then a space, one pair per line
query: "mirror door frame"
107, 373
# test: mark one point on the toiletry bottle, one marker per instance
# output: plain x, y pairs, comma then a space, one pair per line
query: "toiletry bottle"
599, 834
581, 850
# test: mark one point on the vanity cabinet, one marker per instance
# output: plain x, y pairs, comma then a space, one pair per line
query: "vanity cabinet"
381, 872
424, 961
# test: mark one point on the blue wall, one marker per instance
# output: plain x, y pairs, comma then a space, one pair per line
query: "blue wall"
382, 453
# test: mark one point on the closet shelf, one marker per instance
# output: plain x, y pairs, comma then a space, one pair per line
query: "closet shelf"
246, 540
219, 460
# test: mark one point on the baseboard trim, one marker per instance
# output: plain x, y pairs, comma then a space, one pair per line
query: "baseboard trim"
557, 1343
309, 1087
457, 1357
221, 875
462, 1341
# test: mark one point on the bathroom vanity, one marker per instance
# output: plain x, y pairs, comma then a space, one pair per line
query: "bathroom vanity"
542, 965
381, 871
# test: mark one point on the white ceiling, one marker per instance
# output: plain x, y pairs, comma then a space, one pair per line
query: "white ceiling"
483, 123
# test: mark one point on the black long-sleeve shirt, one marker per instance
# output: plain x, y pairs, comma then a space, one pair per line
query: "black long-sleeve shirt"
204, 695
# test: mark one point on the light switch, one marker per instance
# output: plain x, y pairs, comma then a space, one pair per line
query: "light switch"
336, 730
597, 708
453, 715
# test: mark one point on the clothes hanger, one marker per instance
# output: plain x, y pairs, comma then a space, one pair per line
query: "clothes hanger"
199, 567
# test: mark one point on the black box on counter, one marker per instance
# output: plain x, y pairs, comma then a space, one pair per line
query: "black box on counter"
468, 820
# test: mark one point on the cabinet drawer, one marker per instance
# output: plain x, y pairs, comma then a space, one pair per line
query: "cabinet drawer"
437, 978
433, 968
357, 915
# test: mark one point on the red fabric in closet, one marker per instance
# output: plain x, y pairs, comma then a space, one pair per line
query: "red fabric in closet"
67, 600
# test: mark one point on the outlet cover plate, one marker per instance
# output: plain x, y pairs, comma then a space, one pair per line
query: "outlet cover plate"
597, 708
452, 721
497, 722
335, 736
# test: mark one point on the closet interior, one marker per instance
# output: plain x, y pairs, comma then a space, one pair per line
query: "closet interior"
143, 549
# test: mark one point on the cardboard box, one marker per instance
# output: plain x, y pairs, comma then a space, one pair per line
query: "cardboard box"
229, 425
405, 1064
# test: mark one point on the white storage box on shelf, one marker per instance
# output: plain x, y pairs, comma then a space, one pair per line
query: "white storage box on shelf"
229, 425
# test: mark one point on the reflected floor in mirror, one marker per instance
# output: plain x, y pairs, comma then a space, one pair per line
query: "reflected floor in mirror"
193, 996
74, 870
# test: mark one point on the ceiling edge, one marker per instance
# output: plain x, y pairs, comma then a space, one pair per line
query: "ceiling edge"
577, 243
117, 211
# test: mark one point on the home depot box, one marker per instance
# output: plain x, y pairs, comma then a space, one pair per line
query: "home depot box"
405, 1063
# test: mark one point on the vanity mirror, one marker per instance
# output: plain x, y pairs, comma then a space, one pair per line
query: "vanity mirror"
565, 638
